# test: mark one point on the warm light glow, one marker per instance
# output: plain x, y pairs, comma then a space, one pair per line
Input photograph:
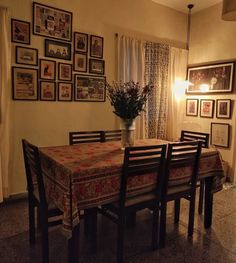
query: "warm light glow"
204, 87
180, 88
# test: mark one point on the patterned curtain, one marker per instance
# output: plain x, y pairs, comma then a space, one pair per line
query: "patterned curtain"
157, 58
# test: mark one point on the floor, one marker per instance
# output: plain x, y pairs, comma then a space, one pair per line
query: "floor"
217, 244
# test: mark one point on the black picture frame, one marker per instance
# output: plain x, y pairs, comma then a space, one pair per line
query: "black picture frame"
96, 66
47, 90
220, 134
96, 46
65, 91
192, 107
20, 31
57, 49
64, 72
80, 62
26, 56
47, 69
223, 108
207, 108
80, 42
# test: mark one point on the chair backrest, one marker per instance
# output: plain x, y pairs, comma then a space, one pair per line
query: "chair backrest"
84, 137
112, 135
192, 136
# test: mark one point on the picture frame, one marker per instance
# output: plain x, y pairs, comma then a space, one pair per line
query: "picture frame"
52, 22
47, 90
65, 91
207, 108
24, 83
192, 107
223, 108
96, 46
47, 69
64, 72
57, 49
80, 42
220, 133
89, 88
80, 62
26, 56
96, 66
20, 31
217, 78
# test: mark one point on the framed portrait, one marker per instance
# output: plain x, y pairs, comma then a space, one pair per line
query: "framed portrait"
64, 91
24, 83
223, 109
47, 69
57, 49
220, 133
52, 22
80, 42
20, 31
207, 108
96, 66
26, 56
64, 72
211, 78
96, 46
80, 62
191, 107
89, 88
47, 90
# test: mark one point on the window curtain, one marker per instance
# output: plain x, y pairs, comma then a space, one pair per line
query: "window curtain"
5, 60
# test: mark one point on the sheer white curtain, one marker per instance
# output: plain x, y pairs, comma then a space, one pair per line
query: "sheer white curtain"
5, 60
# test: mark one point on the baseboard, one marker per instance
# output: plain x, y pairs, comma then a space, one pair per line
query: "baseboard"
15, 197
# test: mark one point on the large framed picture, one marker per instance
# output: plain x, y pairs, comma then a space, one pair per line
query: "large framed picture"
220, 133
64, 91
80, 42
27, 56
57, 49
206, 108
24, 83
47, 69
64, 72
52, 22
96, 66
89, 88
47, 90
211, 78
80, 62
191, 107
20, 31
223, 109
96, 46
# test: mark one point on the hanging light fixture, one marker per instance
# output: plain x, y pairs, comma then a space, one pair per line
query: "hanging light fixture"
229, 10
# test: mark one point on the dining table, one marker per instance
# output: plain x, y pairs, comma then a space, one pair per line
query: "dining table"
86, 176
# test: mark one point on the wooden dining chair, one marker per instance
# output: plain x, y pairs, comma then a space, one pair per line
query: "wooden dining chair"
84, 137
182, 155
138, 161
111, 135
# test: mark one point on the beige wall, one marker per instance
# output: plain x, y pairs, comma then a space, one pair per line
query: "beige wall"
48, 123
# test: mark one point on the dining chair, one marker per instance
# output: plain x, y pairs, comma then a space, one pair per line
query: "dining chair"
111, 135
138, 161
84, 137
180, 156
204, 137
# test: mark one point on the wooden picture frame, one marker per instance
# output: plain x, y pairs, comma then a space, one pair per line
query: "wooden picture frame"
80, 62
207, 108
24, 83
96, 46
192, 107
96, 66
80, 42
89, 88
220, 134
47, 69
20, 31
223, 108
64, 72
26, 56
65, 91
52, 22
47, 91
57, 49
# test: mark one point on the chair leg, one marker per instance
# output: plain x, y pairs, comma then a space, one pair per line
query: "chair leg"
120, 240
44, 236
201, 197
38, 218
163, 224
31, 221
177, 210
155, 230
191, 216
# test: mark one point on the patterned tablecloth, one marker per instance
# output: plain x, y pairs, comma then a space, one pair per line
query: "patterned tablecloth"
88, 175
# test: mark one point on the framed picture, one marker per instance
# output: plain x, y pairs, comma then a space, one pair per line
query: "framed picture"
220, 134
207, 108
96, 46
24, 83
57, 49
52, 22
223, 109
80, 42
64, 72
64, 91
47, 69
47, 90
96, 66
211, 79
89, 88
80, 62
191, 107
20, 31
27, 56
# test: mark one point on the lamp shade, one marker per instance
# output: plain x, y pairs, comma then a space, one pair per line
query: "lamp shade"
229, 10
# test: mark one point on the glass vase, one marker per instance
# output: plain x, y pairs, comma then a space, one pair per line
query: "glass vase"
127, 133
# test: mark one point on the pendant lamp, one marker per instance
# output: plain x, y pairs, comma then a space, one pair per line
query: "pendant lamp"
229, 10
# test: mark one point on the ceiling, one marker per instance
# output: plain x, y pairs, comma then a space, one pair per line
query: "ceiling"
181, 5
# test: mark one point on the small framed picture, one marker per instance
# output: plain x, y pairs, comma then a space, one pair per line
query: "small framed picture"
96, 66
223, 109
47, 69
96, 46
64, 91
80, 62
27, 56
80, 42
64, 72
220, 133
207, 108
57, 49
47, 90
20, 31
191, 107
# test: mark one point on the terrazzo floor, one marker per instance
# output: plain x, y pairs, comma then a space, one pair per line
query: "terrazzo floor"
215, 245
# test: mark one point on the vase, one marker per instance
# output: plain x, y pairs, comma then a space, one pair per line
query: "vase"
127, 133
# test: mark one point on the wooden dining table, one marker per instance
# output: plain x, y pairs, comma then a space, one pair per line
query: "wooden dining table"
85, 176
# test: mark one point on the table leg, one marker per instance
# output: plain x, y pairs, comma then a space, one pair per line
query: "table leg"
208, 202
73, 246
